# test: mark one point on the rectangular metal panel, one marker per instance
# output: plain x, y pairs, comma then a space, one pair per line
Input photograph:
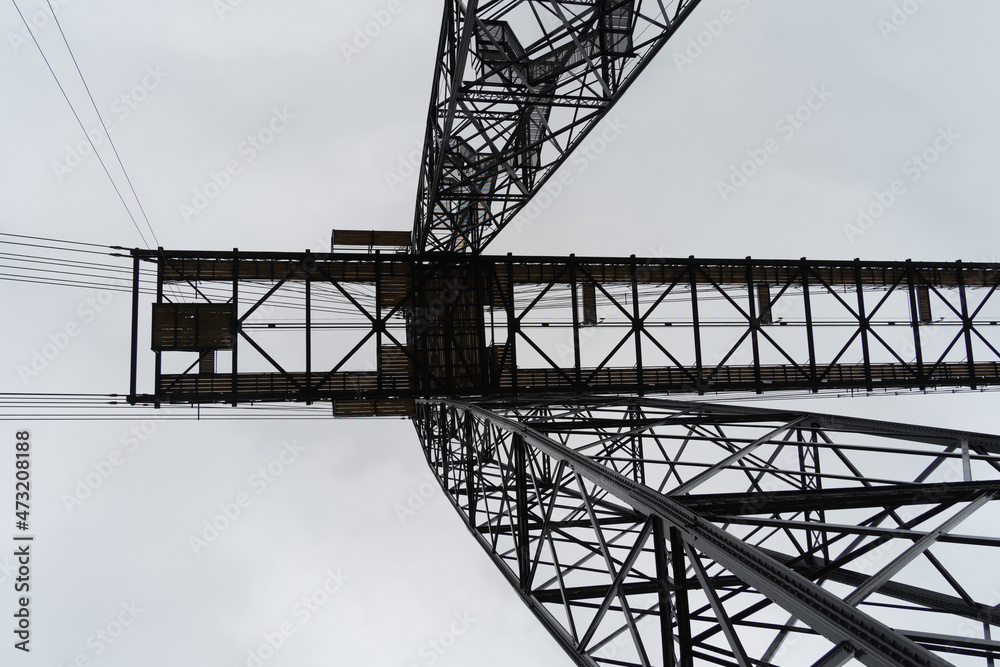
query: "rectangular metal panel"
764, 303
397, 407
924, 314
374, 237
192, 326
589, 305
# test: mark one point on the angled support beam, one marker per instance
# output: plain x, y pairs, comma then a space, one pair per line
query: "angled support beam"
720, 612
919, 547
735, 457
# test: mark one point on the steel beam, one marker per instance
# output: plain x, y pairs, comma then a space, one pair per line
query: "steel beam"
457, 325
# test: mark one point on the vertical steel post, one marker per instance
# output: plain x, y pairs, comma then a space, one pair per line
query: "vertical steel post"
966, 325
863, 324
379, 368
637, 326
133, 379
308, 265
576, 318
696, 324
667, 613
681, 599
754, 327
236, 322
915, 325
158, 372
810, 338
523, 552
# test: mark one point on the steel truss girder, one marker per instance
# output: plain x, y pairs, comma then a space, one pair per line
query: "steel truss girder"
586, 525
505, 112
455, 324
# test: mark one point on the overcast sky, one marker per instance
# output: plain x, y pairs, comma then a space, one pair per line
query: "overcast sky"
185, 83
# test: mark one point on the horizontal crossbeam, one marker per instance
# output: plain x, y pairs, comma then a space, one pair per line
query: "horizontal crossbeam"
460, 325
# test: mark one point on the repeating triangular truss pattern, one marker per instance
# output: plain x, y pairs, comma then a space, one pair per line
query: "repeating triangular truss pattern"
517, 87
649, 531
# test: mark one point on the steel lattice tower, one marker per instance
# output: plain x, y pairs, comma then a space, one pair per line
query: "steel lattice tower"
639, 528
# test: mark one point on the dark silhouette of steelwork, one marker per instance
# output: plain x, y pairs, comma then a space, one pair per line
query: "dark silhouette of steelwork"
641, 530
646, 531
460, 325
518, 86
